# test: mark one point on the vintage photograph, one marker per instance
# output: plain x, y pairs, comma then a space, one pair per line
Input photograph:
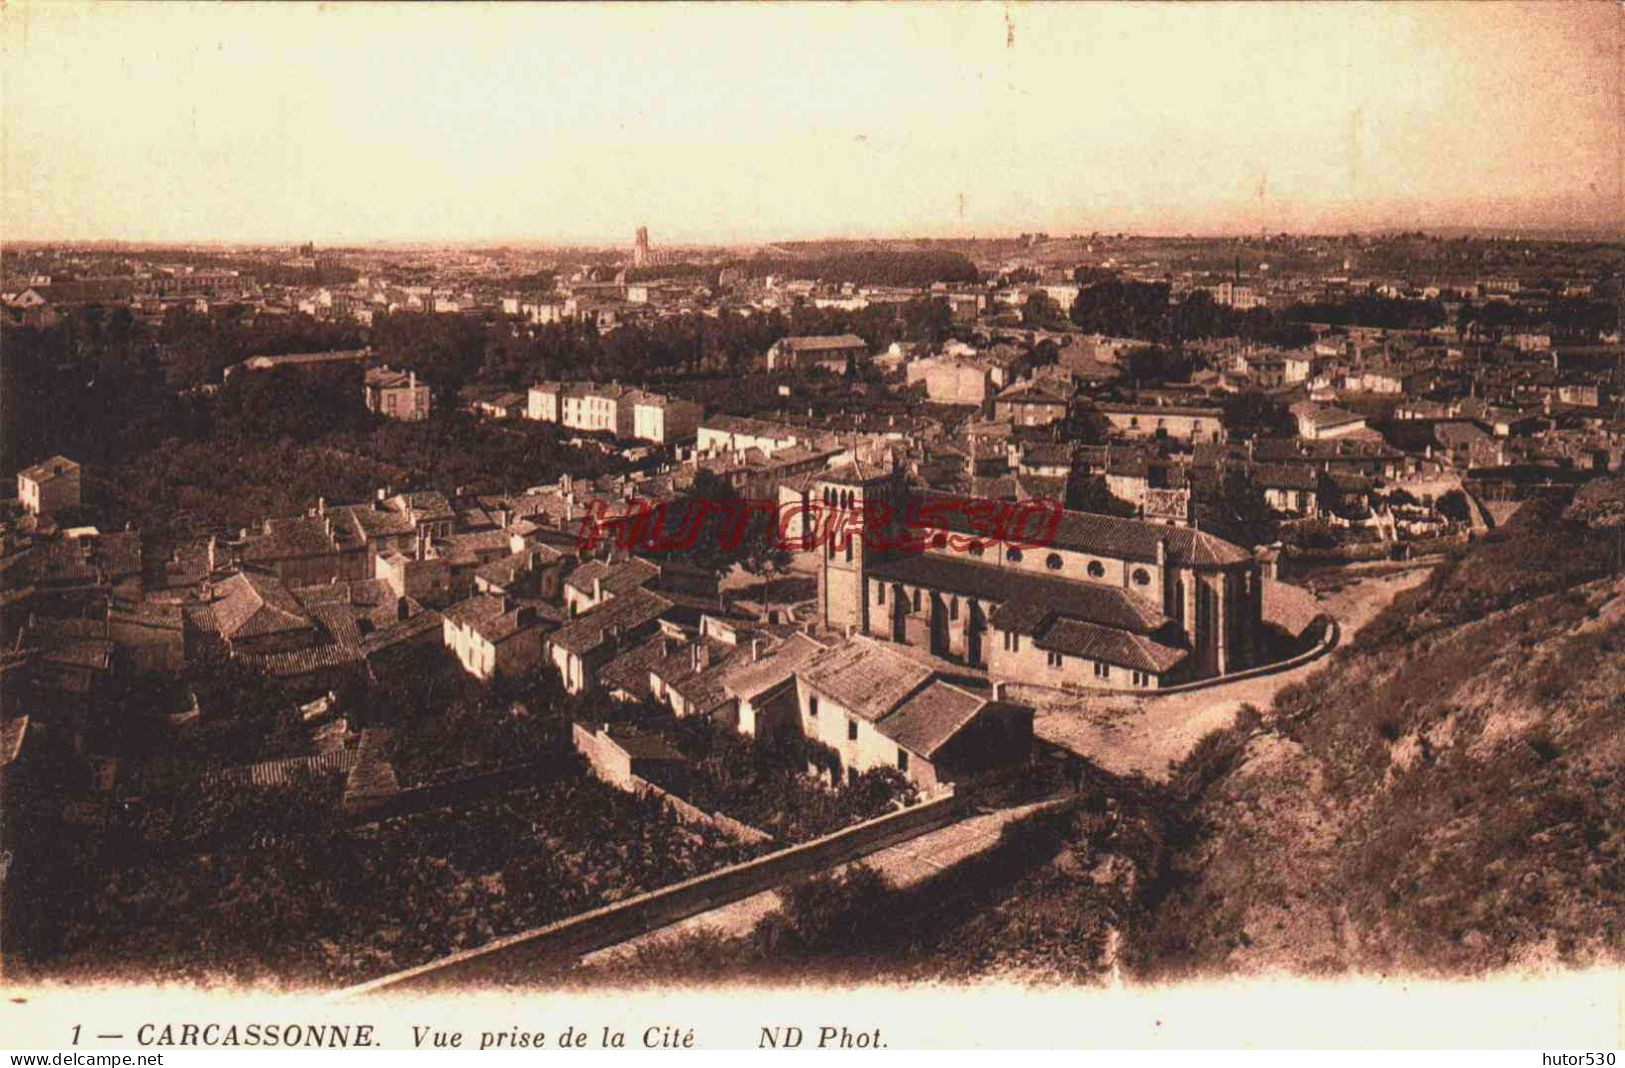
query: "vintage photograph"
617, 497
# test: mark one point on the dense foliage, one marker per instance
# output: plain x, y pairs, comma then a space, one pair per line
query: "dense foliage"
329, 902
764, 783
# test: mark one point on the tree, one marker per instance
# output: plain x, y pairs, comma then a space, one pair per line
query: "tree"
829, 912
1237, 508
1454, 507
765, 555
1254, 413
1123, 309
1042, 312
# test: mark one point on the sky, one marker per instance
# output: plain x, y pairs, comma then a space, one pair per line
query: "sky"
717, 123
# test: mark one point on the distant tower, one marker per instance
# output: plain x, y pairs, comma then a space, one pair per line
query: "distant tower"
640, 248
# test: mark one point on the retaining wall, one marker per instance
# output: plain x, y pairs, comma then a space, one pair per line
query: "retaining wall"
526, 957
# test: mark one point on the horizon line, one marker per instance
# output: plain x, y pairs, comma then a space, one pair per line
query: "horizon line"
1597, 231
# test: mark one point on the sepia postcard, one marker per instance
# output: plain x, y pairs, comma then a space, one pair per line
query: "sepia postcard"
811, 526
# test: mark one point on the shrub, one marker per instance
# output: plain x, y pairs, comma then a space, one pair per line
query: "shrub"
828, 912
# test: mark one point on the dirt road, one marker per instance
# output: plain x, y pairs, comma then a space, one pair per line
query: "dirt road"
1147, 735
903, 864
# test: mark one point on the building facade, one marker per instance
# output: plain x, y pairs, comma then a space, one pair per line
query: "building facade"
1089, 601
50, 486
397, 394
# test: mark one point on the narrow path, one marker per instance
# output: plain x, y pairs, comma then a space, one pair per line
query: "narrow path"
903, 864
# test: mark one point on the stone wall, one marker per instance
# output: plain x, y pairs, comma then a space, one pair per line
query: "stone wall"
532, 956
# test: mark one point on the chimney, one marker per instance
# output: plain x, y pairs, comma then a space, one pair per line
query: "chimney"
211, 556
403, 609
321, 505
755, 649
597, 589
1162, 552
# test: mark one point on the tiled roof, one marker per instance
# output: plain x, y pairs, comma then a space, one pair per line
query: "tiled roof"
357, 524
759, 428
283, 539
1114, 408
61, 562
1024, 597
388, 378
1047, 453
95, 654
1125, 539
856, 472
339, 622
477, 546
746, 678
629, 671
150, 615
118, 553
1289, 607
865, 676
299, 662
1456, 434
1285, 476
46, 470
1078, 638
249, 604
825, 342
401, 632
425, 506
701, 687
372, 778
1325, 416
627, 612
282, 772
504, 571
475, 611
1289, 450
929, 718
1031, 393
619, 577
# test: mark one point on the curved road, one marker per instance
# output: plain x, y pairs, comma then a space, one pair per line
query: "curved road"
1126, 735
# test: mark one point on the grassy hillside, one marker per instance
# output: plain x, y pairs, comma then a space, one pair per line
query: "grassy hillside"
1444, 797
